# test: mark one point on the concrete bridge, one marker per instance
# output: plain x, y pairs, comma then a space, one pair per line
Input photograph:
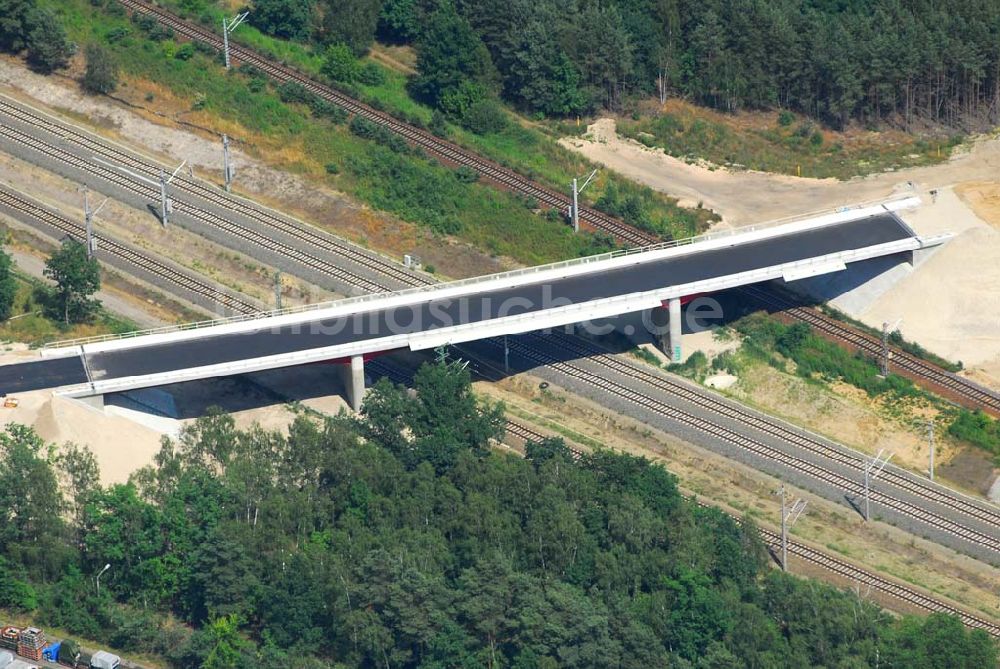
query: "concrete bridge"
538, 298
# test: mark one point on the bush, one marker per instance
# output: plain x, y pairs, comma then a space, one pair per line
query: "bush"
438, 125
466, 174
291, 91
332, 168
101, 75
117, 34
785, 118
144, 22
816, 139
977, 428
184, 51
339, 64
371, 74
485, 116
366, 129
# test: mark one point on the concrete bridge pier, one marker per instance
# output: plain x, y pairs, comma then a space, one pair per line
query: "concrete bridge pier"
674, 309
353, 375
668, 323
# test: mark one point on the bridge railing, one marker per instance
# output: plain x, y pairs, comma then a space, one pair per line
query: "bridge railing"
458, 283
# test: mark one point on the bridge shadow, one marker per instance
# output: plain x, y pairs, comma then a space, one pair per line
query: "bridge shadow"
233, 394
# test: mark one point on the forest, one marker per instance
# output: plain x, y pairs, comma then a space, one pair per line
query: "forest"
871, 61
401, 539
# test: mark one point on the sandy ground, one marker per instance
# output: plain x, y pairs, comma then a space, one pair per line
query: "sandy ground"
124, 440
166, 129
747, 197
950, 304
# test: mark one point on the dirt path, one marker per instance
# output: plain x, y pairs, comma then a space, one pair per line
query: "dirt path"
743, 198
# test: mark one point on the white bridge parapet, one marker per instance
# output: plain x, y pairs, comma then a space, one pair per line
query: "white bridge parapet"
543, 273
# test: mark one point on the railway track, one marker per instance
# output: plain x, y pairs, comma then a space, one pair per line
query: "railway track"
427, 141
203, 216
299, 232
987, 514
16, 203
973, 536
972, 394
830, 563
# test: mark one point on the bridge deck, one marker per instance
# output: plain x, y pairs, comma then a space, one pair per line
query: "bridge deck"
372, 322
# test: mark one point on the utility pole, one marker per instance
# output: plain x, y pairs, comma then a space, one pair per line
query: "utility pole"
228, 26
227, 167
97, 579
885, 349
788, 517
277, 290
574, 207
930, 446
442, 354
873, 468
165, 206
88, 220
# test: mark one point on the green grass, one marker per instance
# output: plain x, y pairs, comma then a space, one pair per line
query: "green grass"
530, 149
797, 147
29, 323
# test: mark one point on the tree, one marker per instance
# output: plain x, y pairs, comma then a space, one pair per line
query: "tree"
351, 22
48, 47
451, 58
287, 19
30, 502
339, 63
8, 285
77, 277
15, 24
101, 75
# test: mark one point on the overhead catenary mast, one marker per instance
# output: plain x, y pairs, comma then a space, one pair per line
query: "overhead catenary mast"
165, 205
228, 26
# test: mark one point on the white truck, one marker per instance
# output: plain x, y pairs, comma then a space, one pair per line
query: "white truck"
102, 659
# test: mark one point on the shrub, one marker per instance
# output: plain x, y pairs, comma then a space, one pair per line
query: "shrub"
816, 139
485, 116
467, 174
366, 129
977, 428
371, 74
339, 64
438, 124
332, 168
117, 34
291, 91
785, 118
184, 51
101, 75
